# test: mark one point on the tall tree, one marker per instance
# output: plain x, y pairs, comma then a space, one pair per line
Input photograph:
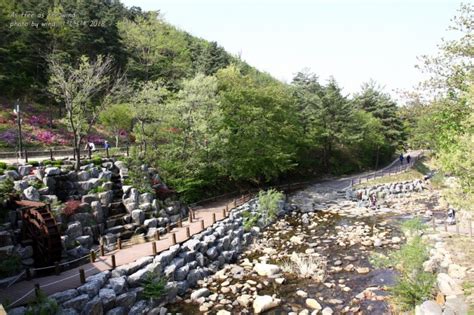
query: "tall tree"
84, 91
373, 100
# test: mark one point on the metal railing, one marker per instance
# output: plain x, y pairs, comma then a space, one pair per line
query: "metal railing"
53, 153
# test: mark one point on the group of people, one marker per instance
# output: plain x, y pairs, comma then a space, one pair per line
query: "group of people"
402, 158
91, 145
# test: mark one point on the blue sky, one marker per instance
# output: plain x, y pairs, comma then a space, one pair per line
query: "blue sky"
354, 41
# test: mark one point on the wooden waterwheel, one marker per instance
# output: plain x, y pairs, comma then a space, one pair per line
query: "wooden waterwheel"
40, 226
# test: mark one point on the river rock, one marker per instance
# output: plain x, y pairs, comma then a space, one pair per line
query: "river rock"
266, 269
117, 311
312, 303
244, 300
428, 308
264, 303
118, 284
447, 285
203, 292
327, 311
74, 230
126, 299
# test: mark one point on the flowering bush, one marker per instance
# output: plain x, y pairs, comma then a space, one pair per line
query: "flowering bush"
45, 136
71, 207
38, 120
8, 136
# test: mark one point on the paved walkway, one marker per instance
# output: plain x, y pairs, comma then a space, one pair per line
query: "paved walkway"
23, 291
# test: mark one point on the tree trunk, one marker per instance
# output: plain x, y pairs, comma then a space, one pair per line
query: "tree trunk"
377, 158
77, 147
117, 140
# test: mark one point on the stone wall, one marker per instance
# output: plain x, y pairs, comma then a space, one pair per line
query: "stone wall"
120, 291
382, 191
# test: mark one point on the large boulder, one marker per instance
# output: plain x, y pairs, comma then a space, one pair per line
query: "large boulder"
106, 197
64, 296
126, 299
428, 308
31, 193
264, 303
107, 297
83, 175
74, 230
138, 216
447, 285
77, 303
51, 171
118, 284
93, 307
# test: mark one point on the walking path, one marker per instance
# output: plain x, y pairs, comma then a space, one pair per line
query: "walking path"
23, 291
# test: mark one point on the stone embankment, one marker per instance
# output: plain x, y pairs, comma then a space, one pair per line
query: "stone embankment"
120, 291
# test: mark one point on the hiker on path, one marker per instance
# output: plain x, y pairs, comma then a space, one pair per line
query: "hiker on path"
401, 158
451, 216
408, 159
106, 145
373, 200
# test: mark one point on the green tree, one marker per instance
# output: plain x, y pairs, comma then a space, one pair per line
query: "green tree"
156, 49
117, 118
84, 91
373, 100
258, 126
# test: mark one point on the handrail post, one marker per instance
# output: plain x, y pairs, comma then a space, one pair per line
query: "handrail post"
114, 264
173, 238
153, 248
202, 225
26, 156
82, 276
51, 153
37, 290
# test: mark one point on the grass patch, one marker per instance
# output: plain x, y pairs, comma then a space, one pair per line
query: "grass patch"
413, 284
303, 266
268, 204
155, 287
250, 220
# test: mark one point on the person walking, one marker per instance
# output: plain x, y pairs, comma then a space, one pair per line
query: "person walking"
408, 159
106, 145
401, 158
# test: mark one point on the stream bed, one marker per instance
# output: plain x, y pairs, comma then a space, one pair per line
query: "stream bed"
332, 248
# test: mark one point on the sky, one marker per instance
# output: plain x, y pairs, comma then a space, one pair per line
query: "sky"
353, 41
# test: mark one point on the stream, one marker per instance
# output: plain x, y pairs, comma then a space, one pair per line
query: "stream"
339, 240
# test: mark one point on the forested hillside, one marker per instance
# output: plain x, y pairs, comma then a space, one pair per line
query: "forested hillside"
206, 119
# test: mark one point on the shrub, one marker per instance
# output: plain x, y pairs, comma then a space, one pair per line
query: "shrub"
413, 226
96, 190
9, 265
47, 162
154, 287
268, 204
437, 180
34, 163
12, 168
6, 190
36, 184
137, 177
250, 220
71, 207
42, 305
413, 285
96, 160
3, 165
